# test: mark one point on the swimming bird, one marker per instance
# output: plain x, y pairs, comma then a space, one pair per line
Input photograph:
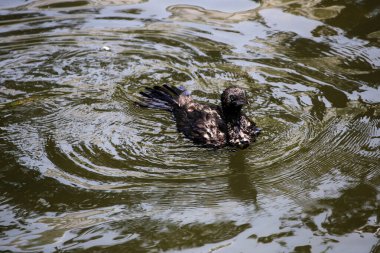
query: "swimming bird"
208, 125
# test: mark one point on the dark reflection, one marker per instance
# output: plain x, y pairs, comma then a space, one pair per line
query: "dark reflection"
68, 4
370, 113
29, 86
376, 248
324, 30
336, 97
147, 235
318, 109
358, 18
82, 11
303, 47
240, 181
31, 31
134, 11
272, 237
15, 18
371, 77
351, 210
302, 249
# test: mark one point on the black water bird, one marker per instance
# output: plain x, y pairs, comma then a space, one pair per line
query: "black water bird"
208, 125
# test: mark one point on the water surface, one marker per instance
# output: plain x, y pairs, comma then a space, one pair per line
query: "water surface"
83, 169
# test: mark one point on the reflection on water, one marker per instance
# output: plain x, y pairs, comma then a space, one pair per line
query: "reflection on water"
83, 169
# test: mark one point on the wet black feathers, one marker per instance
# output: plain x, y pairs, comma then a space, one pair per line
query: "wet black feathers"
160, 97
208, 125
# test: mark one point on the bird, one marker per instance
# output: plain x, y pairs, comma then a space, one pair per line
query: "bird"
214, 126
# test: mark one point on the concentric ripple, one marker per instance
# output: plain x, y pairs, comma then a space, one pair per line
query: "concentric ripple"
74, 143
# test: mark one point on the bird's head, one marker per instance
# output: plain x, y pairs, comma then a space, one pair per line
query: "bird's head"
233, 99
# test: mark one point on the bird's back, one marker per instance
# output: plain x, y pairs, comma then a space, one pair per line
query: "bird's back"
201, 123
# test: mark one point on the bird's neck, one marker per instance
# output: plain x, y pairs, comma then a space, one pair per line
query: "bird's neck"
231, 114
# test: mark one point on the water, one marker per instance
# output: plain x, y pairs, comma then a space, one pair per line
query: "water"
83, 169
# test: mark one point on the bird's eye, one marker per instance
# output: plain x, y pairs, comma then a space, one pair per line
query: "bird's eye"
232, 97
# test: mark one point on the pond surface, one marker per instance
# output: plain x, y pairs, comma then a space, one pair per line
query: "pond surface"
83, 169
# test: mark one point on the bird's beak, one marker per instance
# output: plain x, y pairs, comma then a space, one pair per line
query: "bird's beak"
257, 131
239, 102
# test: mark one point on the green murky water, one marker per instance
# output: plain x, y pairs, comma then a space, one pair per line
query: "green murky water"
83, 169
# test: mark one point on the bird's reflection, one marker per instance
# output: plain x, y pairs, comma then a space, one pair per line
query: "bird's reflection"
240, 181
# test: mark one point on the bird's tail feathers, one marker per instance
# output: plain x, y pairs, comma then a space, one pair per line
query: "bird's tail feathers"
161, 97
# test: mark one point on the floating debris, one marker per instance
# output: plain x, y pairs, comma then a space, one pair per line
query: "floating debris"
106, 48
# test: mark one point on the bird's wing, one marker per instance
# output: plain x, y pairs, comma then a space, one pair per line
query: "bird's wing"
201, 123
